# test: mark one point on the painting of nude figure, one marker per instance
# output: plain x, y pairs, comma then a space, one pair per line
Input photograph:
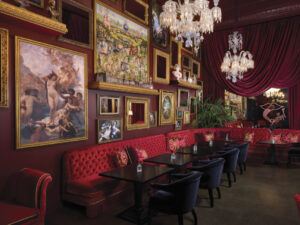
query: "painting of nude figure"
51, 94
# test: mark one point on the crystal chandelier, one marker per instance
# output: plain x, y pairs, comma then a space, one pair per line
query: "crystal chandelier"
274, 93
235, 65
190, 20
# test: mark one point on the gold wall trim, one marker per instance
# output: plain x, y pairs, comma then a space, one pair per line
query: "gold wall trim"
31, 17
122, 88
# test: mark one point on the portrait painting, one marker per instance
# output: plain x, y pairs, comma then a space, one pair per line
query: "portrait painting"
121, 46
167, 107
159, 36
38, 3
178, 124
110, 130
51, 94
4, 67
153, 119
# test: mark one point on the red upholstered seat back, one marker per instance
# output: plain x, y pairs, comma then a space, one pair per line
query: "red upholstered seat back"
211, 130
93, 160
187, 134
260, 134
285, 133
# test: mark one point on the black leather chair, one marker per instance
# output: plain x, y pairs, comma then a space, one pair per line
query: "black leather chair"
294, 152
212, 176
177, 198
231, 158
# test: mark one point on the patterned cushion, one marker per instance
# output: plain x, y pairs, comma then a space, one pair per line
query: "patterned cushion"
277, 138
182, 141
209, 136
290, 138
174, 144
141, 154
121, 158
249, 137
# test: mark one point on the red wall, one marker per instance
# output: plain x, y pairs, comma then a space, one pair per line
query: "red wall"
49, 158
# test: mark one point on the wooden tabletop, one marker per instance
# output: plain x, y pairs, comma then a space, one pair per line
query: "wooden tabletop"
129, 173
272, 143
165, 159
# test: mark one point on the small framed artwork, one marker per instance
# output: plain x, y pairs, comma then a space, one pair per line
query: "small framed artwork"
109, 130
4, 68
183, 98
136, 9
186, 117
193, 106
185, 61
136, 113
196, 68
167, 106
186, 74
175, 52
108, 105
178, 124
159, 36
199, 95
179, 114
153, 119
38, 3
161, 67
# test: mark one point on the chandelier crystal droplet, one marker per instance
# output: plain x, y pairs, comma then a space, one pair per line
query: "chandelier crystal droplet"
234, 65
190, 20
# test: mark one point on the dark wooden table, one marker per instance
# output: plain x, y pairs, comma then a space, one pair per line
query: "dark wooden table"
272, 144
136, 214
201, 150
165, 159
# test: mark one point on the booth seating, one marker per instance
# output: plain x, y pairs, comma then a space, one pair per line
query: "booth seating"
25, 198
82, 184
297, 198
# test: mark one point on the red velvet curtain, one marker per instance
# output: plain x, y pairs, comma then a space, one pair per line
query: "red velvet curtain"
275, 47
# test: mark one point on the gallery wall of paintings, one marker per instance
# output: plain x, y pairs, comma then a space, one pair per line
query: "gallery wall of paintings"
47, 105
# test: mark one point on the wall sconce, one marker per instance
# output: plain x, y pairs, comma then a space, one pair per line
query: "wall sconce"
130, 113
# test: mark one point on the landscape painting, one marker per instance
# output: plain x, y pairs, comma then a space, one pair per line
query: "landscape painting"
51, 94
121, 46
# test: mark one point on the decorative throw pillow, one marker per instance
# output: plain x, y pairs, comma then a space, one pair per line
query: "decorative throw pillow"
182, 141
209, 137
173, 144
121, 158
249, 137
276, 137
291, 138
141, 154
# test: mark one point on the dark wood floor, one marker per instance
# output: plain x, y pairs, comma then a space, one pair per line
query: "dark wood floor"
264, 195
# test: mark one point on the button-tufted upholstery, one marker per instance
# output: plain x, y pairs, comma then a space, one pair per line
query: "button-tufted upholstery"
81, 182
188, 135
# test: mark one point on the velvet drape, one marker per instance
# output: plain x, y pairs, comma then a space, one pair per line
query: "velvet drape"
275, 47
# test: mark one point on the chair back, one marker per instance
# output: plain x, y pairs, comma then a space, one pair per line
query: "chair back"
185, 191
231, 158
243, 151
212, 173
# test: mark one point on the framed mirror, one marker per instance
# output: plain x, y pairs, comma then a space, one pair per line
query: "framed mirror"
136, 113
108, 105
183, 99
175, 53
161, 68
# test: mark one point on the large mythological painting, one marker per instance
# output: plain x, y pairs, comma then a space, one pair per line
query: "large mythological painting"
51, 94
121, 46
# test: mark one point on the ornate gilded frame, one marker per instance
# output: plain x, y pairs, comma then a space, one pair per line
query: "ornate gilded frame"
179, 96
155, 116
111, 140
126, 17
91, 29
19, 145
162, 96
4, 96
37, 5
179, 46
197, 64
139, 2
187, 57
113, 98
180, 122
158, 53
128, 102
186, 117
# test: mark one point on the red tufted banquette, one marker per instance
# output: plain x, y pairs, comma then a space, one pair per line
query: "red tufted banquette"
82, 184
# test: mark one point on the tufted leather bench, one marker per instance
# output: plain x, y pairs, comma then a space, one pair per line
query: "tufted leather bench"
82, 184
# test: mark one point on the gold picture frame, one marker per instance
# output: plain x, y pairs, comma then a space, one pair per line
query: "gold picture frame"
186, 61
104, 135
153, 119
134, 59
167, 107
175, 52
138, 6
186, 117
134, 118
196, 68
183, 99
161, 67
4, 100
178, 124
50, 127
108, 105
84, 9
35, 3
193, 106
179, 114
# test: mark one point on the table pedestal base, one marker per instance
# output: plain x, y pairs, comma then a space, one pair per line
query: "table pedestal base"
135, 216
